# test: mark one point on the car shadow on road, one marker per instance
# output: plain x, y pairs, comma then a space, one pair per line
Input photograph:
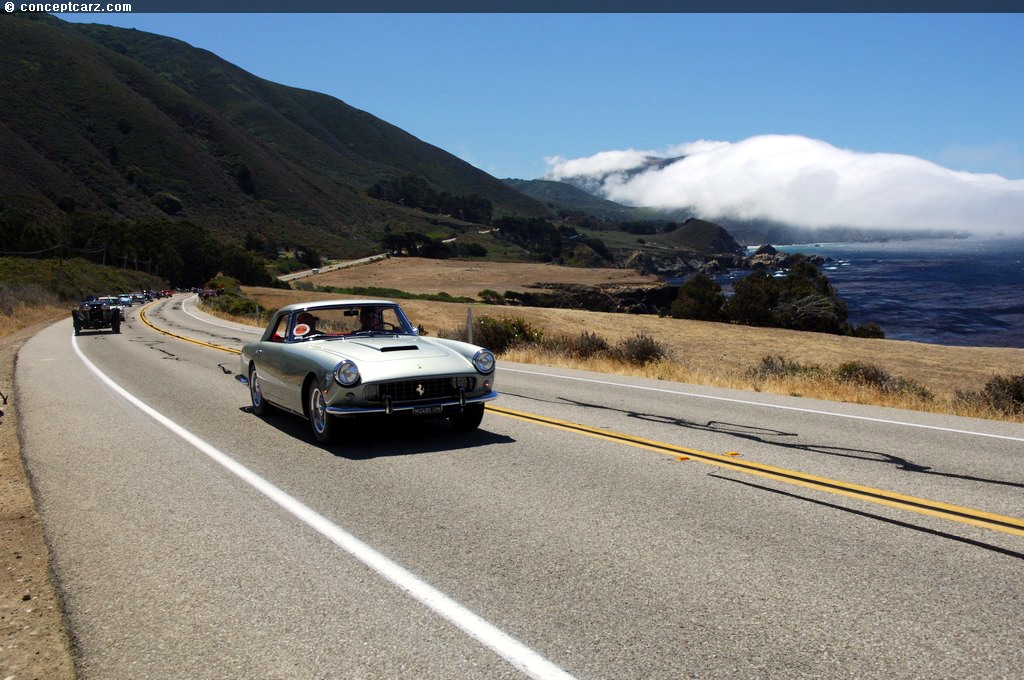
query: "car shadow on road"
370, 438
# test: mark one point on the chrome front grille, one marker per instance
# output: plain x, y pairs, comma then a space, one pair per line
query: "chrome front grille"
422, 390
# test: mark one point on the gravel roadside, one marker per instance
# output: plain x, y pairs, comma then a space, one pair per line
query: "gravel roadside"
34, 638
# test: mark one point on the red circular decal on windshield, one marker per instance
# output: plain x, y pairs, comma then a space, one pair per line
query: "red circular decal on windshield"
301, 330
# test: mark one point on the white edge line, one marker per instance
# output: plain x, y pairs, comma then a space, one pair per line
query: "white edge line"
522, 657
239, 328
764, 405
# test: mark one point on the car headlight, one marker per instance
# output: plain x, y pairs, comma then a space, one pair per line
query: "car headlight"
346, 373
483, 361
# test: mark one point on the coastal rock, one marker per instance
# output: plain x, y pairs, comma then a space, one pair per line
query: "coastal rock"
669, 266
681, 264
611, 298
767, 257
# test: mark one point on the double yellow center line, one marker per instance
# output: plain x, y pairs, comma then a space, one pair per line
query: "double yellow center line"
729, 461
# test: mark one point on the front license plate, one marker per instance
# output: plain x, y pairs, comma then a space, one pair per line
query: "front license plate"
426, 410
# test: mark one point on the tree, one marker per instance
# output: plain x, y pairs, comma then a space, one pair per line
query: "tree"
700, 297
309, 256
753, 298
167, 202
808, 301
802, 300
812, 312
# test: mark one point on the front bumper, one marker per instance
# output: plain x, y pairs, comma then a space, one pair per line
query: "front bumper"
422, 408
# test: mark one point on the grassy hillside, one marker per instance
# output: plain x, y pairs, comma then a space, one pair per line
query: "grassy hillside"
132, 125
29, 281
566, 197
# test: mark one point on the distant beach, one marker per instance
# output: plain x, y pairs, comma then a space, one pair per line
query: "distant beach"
942, 291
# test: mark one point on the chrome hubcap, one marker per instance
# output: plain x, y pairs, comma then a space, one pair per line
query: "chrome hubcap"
317, 410
254, 389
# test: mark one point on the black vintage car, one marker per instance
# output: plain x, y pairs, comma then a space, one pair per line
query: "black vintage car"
91, 314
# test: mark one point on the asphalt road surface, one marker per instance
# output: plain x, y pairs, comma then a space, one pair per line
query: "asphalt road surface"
593, 527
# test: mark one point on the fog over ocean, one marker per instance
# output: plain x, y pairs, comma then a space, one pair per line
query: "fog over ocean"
942, 291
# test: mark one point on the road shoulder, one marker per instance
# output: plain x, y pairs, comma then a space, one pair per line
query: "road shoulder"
34, 638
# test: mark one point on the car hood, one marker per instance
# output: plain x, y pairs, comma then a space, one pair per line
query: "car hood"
384, 348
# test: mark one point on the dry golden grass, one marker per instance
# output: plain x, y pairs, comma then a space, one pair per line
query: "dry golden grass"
24, 316
708, 353
461, 278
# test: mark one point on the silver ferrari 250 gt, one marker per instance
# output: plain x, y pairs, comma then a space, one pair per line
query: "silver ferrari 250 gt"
332, 360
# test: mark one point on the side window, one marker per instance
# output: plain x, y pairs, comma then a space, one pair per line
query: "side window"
280, 330
390, 319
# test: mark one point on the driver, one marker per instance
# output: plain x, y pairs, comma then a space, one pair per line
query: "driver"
370, 319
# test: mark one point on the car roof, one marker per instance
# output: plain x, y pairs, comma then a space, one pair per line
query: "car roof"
321, 304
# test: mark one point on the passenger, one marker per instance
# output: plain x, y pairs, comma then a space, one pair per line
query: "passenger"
309, 321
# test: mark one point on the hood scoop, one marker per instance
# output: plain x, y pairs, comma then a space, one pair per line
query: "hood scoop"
399, 348
388, 344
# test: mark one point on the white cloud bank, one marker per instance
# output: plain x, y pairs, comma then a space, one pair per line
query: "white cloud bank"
803, 182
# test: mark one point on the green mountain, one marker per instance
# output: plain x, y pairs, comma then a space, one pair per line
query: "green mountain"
564, 197
703, 237
128, 125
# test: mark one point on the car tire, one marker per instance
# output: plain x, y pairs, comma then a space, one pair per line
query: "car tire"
260, 406
469, 419
323, 424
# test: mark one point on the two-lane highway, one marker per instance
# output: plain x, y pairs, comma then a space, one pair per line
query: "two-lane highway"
592, 527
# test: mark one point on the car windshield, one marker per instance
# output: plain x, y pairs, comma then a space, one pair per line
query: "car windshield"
348, 321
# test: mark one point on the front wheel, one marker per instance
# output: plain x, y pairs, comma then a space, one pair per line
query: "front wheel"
469, 419
323, 424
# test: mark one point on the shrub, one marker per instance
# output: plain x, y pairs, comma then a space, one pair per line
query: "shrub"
779, 367
500, 335
234, 304
863, 374
27, 295
870, 375
1005, 394
491, 297
583, 346
639, 350
231, 300
869, 330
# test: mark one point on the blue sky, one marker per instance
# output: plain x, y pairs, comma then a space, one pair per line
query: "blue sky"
515, 94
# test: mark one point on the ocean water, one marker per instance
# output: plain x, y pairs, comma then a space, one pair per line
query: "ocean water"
941, 291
